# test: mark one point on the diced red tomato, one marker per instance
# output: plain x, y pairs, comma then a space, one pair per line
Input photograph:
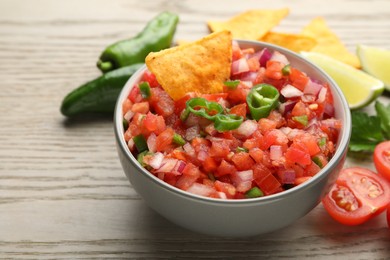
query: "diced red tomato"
141, 107
214, 97
298, 79
225, 168
264, 178
161, 102
358, 195
135, 94
226, 188
242, 161
150, 78
274, 70
154, 123
180, 104
164, 140
239, 110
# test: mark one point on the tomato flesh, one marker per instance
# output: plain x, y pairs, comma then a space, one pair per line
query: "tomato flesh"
358, 195
382, 159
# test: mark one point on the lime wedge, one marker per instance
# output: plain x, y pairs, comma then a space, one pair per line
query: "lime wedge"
376, 62
359, 88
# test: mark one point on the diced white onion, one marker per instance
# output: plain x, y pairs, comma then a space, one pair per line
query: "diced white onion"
290, 91
247, 128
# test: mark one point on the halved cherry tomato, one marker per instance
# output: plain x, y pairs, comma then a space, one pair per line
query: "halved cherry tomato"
358, 195
382, 159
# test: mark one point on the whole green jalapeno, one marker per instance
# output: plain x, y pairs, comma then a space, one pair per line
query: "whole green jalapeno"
98, 95
157, 35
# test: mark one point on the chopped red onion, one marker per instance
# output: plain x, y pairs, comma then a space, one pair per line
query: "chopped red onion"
240, 66
289, 91
192, 132
129, 115
202, 155
151, 142
249, 76
167, 165
265, 56
277, 56
200, 189
189, 149
180, 165
247, 128
287, 106
287, 176
156, 160
275, 152
312, 88
322, 95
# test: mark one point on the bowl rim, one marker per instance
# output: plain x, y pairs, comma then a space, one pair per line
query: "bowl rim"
341, 148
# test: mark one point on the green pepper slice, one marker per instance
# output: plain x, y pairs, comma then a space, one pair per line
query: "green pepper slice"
227, 122
144, 88
261, 100
201, 107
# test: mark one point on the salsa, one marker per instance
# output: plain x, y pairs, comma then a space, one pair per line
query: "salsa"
272, 128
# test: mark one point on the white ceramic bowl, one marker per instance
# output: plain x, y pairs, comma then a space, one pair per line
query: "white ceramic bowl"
245, 217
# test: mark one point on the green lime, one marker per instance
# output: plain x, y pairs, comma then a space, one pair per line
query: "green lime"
358, 87
376, 62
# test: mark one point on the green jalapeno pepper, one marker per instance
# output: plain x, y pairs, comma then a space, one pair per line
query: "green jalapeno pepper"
98, 95
227, 122
157, 35
201, 107
213, 112
261, 100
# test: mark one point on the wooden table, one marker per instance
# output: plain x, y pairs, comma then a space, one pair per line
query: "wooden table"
63, 193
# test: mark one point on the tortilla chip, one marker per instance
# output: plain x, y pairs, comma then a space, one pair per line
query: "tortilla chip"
294, 42
201, 66
328, 42
250, 25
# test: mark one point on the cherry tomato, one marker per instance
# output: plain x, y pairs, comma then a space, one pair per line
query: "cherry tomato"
358, 195
382, 159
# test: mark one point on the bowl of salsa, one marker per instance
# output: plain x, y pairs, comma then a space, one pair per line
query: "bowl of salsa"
248, 160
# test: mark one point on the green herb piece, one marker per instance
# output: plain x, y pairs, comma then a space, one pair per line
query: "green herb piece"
301, 119
144, 88
140, 143
286, 70
125, 124
241, 149
255, 192
370, 130
178, 139
317, 161
232, 84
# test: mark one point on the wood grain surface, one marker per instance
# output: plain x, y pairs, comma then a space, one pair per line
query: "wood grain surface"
63, 194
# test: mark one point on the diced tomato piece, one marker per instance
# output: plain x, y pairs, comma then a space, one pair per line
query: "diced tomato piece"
266, 125
190, 174
209, 165
239, 110
237, 95
312, 169
226, 188
164, 140
297, 153
135, 94
299, 109
126, 106
225, 168
256, 154
264, 178
309, 141
219, 148
150, 78
141, 107
274, 69
180, 104
154, 123
161, 102
298, 79
301, 180
177, 154
214, 97
254, 64
242, 161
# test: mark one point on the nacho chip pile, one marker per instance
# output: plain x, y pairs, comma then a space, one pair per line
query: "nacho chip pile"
258, 25
201, 66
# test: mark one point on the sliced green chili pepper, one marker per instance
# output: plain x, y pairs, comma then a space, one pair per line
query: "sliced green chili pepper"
317, 161
232, 84
322, 142
140, 157
201, 107
98, 95
178, 139
261, 100
227, 122
301, 119
140, 143
286, 70
144, 88
241, 150
254, 193
157, 35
